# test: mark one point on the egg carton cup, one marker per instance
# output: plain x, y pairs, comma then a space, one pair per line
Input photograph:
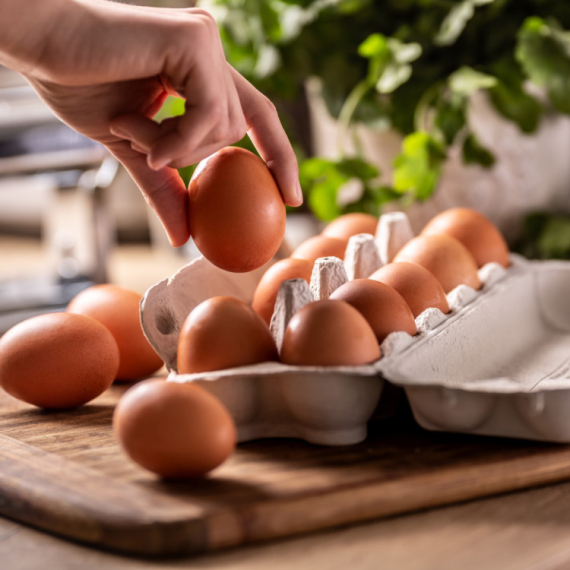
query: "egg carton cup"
497, 364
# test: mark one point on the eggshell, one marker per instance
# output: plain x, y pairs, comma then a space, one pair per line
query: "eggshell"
445, 257
350, 225
58, 360
174, 430
118, 309
223, 332
418, 286
320, 246
383, 307
329, 333
477, 233
237, 215
266, 292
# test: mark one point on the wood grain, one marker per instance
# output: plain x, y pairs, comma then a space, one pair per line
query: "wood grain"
64, 472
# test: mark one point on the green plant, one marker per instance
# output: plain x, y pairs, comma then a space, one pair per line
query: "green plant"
410, 65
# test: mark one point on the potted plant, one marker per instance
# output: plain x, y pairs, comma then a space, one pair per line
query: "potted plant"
419, 104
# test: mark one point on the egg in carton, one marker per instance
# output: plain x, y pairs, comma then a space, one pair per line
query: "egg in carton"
497, 364
323, 405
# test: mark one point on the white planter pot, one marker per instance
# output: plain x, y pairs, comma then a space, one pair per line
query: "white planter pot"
531, 173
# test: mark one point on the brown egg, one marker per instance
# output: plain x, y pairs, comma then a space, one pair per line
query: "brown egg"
419, 287
237, 215
350, 225
445, 257
329, 333
383, 307
223, 332
174, 430
478, 234
58, 360
118, 310
267, 289
320, 246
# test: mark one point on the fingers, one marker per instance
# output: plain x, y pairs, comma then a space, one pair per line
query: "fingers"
270, 139
212, 103
164, 191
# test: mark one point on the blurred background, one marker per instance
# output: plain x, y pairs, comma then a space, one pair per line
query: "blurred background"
397, 104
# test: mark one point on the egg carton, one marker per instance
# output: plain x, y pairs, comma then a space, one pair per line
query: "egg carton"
497, 364
323, 405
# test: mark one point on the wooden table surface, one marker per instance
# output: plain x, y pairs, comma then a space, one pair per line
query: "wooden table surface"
527, 530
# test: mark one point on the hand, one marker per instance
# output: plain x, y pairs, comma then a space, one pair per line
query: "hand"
105, 69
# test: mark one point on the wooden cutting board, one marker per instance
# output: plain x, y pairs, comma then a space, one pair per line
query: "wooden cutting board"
65, 473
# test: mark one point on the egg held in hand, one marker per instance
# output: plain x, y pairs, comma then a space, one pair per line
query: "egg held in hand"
344, 227
223, 332
446, 258
329, 333
118, 309
418, 286
320, 246
477, 233
174, 430
266, 292
383, 307
237, 214
58, 360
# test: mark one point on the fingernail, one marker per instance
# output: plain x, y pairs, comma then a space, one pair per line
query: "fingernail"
299, 192
160, 164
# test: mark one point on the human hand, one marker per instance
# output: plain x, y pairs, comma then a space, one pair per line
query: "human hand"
105, 69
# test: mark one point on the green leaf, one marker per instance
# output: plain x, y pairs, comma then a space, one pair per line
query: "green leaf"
475, 153
466, 80
417, 168
554, 242
322, 200
510, 98
559, 93
456, 20
392, 77
322, 180
357, 168
373, 46
545, 236
451, 117
389, 61
543, 50
404, 52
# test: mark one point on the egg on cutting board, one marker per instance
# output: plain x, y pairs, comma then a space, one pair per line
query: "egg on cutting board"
418, 286
382, 306
476, 232
329, 333
236, 212
117, 309
445, 257
174, 430
266, 292
223, 332
58, 360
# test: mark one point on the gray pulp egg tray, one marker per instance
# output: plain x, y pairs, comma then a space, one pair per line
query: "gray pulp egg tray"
498, 364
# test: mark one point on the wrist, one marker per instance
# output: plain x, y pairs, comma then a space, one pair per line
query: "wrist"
23, 36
